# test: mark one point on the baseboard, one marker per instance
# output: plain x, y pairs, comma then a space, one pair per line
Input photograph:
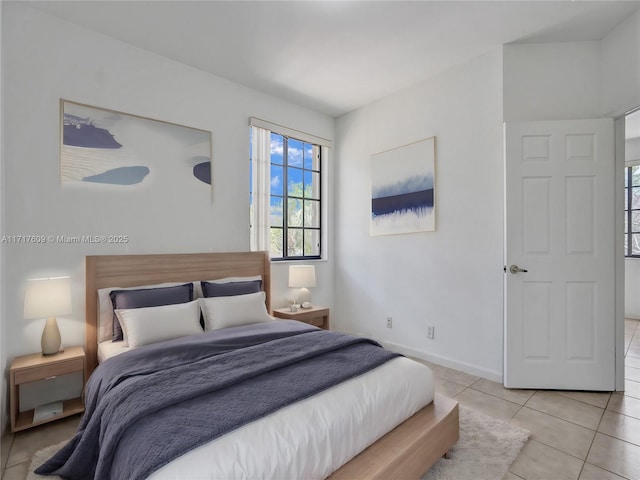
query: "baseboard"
492, 375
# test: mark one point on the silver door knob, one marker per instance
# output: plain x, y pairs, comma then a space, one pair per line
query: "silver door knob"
515, 269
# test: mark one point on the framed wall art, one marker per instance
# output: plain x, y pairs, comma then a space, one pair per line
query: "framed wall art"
102, 148
403, 189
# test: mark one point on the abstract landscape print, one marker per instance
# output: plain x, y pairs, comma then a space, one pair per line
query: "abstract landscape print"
112, 149
402, 189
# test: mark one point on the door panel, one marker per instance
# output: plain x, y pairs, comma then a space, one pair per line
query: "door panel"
536, 303
560, 224
536, 208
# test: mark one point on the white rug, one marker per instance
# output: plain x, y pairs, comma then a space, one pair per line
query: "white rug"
486, 448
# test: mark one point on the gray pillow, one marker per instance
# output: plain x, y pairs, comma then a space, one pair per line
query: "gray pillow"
147, 297
230, 289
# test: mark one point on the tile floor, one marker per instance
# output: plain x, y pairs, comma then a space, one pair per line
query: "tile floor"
574, 435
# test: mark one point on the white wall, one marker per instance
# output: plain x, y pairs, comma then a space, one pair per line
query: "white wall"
4, 397
555, 81
620, 76
632, 288
450, 278
632, 265
620, 68
47, 59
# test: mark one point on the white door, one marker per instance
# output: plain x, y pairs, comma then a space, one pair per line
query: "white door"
559, 255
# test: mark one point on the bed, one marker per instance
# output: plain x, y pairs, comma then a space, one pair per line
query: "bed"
405, 448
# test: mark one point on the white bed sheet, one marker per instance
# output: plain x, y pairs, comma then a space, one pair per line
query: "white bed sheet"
314, 437
108, 349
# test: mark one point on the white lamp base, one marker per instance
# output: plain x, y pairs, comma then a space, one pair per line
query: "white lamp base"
51, 340
304, 295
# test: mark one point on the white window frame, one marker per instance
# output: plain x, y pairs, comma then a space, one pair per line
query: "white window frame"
260, 222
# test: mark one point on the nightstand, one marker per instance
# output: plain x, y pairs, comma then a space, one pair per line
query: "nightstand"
316, 315
42, 368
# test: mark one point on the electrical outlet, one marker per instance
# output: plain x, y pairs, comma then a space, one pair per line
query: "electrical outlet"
389, 322
430, 331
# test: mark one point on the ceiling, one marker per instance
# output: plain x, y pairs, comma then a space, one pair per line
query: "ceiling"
336, 56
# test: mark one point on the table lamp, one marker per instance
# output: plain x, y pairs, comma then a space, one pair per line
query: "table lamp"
47, 298
302, 277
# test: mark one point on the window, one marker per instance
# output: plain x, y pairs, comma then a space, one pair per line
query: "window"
286, 194
632, 211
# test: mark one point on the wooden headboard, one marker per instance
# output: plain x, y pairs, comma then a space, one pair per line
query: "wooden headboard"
104, 271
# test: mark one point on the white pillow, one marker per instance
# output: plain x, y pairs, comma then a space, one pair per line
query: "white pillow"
105, 307
146, 325
223, 312
197, 286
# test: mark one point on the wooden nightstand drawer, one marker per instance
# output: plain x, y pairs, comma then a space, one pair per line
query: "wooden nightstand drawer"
48, 371
316, 315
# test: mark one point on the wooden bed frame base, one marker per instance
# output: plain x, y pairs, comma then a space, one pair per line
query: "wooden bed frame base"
410, 449
406, 452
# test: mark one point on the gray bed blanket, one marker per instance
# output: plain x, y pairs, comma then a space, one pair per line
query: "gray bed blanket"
146, 407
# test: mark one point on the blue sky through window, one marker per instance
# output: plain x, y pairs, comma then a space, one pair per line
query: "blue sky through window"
299, 159
294, 203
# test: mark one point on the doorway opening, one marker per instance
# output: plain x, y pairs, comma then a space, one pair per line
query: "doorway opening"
631, 225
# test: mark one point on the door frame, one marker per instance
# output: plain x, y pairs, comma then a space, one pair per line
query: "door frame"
619, 147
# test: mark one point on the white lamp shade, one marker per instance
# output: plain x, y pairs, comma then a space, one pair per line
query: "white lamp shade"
47, 297
302, 276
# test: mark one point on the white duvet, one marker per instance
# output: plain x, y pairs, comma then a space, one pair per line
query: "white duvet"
312, 438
